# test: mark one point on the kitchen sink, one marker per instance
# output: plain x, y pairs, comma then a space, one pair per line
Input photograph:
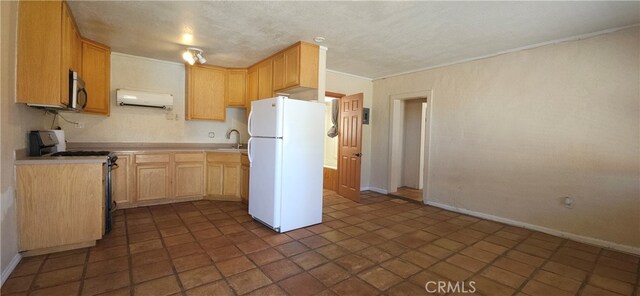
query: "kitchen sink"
231, 150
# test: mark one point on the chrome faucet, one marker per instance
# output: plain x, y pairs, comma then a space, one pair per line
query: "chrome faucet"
238, 145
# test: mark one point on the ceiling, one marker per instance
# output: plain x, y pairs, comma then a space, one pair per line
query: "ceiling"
369, 39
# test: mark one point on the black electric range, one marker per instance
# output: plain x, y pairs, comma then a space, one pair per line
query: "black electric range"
82, 153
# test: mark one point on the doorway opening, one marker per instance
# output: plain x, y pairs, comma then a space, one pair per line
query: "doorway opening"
409, 145
330, 171
343, 148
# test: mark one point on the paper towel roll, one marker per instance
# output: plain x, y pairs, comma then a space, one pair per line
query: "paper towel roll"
62, 143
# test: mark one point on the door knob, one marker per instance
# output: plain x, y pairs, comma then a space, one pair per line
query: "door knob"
358, 154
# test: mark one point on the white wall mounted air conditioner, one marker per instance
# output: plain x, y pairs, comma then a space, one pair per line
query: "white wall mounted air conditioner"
144, 99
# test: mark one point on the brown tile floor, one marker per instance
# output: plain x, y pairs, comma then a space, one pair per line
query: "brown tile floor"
380, 246
410, 193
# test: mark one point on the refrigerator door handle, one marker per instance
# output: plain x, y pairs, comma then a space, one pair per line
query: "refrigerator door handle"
249, 124
249, 151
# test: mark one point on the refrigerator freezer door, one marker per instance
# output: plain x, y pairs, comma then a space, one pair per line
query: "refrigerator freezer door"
265, 181
266, 118
302, 164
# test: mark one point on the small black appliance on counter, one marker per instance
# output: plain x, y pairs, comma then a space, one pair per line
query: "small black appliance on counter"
42, 142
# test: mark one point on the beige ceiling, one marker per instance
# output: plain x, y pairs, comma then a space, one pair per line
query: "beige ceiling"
370, 39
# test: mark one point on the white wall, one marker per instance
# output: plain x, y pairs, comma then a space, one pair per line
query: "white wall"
412, 129
15, 122
137, 124
349, 85
512, 134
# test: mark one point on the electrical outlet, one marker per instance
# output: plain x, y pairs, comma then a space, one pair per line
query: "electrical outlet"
79, 125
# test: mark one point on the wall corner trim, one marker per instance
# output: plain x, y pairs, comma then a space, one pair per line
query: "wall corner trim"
12, 265
567, 235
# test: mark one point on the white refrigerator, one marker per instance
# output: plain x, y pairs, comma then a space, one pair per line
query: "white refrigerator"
286, 151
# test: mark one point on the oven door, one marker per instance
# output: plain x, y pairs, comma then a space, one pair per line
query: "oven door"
110, 205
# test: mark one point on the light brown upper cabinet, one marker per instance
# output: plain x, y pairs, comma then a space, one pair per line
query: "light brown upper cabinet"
205, 92
252, 87
265, 79
236, 90
96, 67
296, 66
278, 71
259, 82
48, 47
71, 49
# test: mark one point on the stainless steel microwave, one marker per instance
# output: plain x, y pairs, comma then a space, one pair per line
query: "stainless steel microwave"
77, 92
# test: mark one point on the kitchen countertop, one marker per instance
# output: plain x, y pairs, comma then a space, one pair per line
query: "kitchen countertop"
22, 158
152, 147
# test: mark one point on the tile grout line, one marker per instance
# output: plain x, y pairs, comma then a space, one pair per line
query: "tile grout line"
391, 212
37, 274
84, 271
129, 255
590, 274
223, 277
173, 267
332, 260
537, 269
488, 264
415, 248
503, 255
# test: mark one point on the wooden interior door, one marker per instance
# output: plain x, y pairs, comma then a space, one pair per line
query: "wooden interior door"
350, 146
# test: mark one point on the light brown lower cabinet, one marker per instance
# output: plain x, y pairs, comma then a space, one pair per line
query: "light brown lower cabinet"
215, 178
147, 178
231, 182
153, 176
59, 206
223, 176
167, 177
122, 181
244, 190
189, 175
153, 181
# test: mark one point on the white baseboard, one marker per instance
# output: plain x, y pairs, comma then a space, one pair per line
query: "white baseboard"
375, 189
12, 265
572, 236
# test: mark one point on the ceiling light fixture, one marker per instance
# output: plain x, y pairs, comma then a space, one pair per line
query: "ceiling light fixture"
187, 36
318, 39
192, 54
200, 58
